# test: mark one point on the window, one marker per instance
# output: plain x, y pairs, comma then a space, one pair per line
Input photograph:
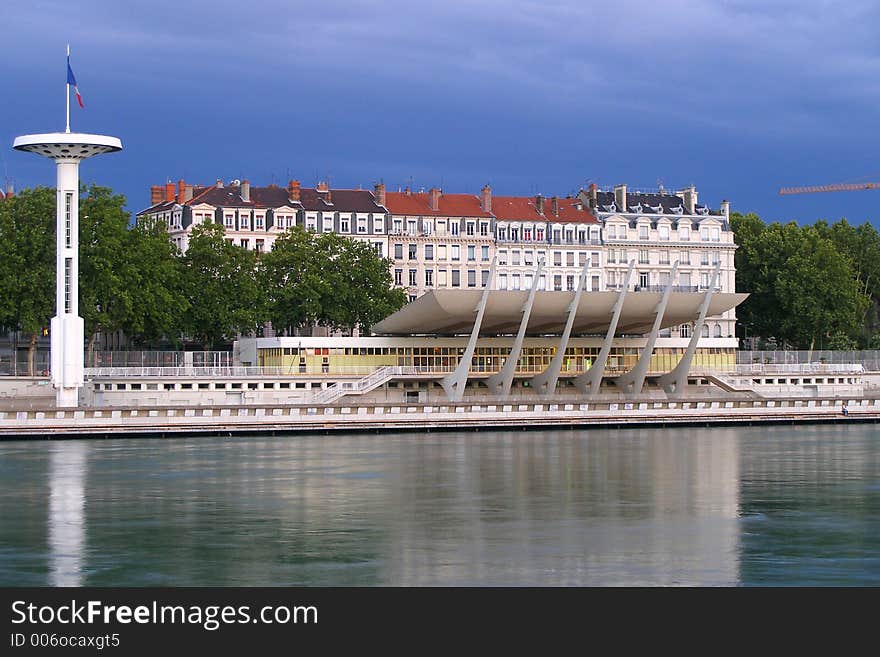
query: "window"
456, 278
344, 225
704, 233
396, 226
412, 277
684, 234
569, 258
229, 221
312, 223
594, 259
528, 257
557, 236
569, 283
664, 257
716, 257
378, 225
716, 234
704, 332
612, 232
68, 202
244, 221
472, 278
557, 258
539, 234
557, 282
717, 332
643, 279
684, 258
398, 277
361, 225
469, 228
484, 278
514, 285
582, 258
528, 279
456, 252
429, 251
514, 257
484, 228
471, 252
502, 257
502, 281
328, 223
260, 222
704, 280
442, 278
514, 234
258, 246
398, 251
453, 226
245, 244
664, 279
569, 237
582, 237
428, 226
663, 231
380, 249
595, 287
484, 253
704, 258
441, 252
684, 330
502, 234
643, 232
684, 279
612, 256
643, 257
412, 252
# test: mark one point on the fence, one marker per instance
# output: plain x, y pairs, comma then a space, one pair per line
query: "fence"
869, 360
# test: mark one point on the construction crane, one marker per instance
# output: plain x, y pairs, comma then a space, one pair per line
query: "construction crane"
836, 187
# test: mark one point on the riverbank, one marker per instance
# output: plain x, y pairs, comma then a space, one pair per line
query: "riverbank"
224, 420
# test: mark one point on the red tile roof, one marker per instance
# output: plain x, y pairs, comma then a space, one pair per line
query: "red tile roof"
525, 208
450, 205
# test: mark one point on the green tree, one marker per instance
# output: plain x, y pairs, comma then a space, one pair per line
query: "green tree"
328, 280
107, 265
27, 264
220, 288
818, 292
159, 302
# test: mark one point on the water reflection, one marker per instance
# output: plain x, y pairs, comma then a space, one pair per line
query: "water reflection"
66, 519
551, 508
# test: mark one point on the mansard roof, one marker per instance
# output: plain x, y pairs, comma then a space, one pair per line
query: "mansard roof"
645, 203
339, 200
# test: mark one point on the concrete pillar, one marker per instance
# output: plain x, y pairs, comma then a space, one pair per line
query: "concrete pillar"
588, 382
633, 380
501, 382
454, 382
675, 381
545, 382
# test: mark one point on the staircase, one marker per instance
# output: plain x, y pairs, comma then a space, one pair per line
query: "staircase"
370, 382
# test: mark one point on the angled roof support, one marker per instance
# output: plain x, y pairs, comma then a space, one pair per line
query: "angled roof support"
674, 382
501, 382
588, 382
454, 382
633, 380
545, 382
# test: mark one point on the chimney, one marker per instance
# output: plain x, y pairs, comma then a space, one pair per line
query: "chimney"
246, 191
725, 208
554, 204
322, 186
690, 199
434, 195
539, 204
10, 190
187, 193
379, 190
181, 190
156, 194
219, 184
293, 189
407, 191
169, 191
594, 196
620, 198
486, 198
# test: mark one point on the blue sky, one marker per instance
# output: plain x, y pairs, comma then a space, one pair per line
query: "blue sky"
739, 97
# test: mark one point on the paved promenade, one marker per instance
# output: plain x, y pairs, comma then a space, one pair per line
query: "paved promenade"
51, 423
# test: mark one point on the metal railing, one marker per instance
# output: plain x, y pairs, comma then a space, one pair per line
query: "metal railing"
868, 359
800, 368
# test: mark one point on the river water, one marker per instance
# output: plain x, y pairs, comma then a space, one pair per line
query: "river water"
708, 507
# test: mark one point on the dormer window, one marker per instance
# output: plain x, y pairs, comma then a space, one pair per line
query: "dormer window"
657, 208
637, 209
610, 208
679, 209
703, 211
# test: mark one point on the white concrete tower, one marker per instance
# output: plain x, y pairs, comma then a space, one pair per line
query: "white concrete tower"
66, 330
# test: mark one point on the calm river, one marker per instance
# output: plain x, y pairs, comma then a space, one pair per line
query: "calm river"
729, 506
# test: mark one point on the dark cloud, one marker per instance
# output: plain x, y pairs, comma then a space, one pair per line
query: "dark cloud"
739, 97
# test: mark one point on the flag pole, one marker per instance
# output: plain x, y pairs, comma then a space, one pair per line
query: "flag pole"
67, 95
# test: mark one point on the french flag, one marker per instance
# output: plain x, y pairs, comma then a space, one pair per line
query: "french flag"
71, 79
